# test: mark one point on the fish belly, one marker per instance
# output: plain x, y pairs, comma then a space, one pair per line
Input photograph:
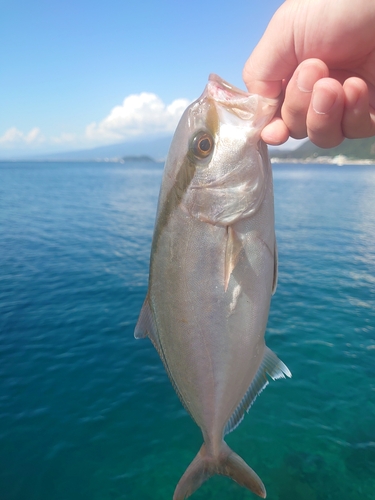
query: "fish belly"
212, 339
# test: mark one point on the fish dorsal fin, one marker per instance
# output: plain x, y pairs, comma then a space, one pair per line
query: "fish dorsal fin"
233, 249
271, 365
146, 327
275, 269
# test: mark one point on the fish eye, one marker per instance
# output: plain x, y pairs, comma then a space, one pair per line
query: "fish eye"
202, 145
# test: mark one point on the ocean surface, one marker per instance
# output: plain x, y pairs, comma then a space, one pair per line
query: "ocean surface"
88, 413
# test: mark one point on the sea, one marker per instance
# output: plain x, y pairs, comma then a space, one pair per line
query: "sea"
87, 412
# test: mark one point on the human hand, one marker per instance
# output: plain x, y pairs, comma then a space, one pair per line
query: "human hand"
319, 57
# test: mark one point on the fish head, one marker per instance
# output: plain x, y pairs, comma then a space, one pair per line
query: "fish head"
217, 160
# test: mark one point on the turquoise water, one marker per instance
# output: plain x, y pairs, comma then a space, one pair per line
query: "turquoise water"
87, 412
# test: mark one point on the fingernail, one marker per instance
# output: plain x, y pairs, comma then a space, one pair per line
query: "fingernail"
306, 80
323, 101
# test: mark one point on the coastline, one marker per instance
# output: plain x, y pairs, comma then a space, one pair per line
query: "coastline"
339, 160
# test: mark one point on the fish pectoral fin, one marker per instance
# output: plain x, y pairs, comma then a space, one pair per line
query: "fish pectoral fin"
233, 249
145, 326
271, 365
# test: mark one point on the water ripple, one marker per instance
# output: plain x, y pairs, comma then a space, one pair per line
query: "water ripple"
87, 412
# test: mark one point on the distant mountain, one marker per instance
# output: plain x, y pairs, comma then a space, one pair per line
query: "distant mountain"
353, 149
156, 149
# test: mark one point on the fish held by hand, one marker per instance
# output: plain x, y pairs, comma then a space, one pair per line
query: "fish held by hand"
213, 270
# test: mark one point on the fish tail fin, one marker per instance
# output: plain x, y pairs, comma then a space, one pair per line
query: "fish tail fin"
227, 463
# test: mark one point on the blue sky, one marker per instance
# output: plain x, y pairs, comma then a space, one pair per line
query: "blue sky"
79, 74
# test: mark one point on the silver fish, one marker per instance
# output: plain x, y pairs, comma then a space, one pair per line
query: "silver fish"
213, 270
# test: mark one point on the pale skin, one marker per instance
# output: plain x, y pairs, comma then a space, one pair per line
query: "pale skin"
318, 57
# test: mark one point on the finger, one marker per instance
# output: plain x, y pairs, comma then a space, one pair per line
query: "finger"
358, 121
325, 113
275, 133
273, 59
298, 95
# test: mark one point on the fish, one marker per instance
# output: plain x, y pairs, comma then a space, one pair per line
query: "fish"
213, 270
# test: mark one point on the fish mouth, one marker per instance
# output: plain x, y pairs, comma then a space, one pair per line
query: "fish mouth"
224, 88
246, 106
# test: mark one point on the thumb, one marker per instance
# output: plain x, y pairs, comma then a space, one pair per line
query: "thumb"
273, 59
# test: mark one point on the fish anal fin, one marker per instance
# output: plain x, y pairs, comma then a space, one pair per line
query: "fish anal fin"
232, 253
271, 365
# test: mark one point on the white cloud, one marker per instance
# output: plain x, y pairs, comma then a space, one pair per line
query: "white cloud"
143, 114
139, 114
14, 137
64, 138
